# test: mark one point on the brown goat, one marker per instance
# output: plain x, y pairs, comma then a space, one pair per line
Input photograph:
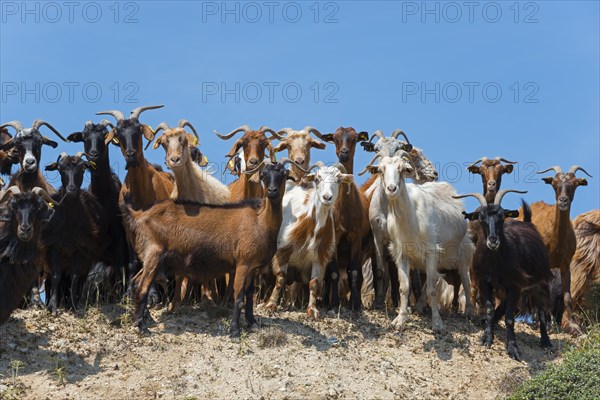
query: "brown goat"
143, 185
585, 264
254, 145
491, 171
7, 157
351, 216
554, 224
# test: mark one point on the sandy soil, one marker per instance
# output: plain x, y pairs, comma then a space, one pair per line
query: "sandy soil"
189, 355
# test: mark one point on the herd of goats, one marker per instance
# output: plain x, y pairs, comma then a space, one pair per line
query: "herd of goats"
184, 234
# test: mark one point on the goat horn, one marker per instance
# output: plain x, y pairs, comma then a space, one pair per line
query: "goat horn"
266, 129
243, 128
80, 154
259, 166
106, 123
400, 132
576, 168
478, 196
286, 160
161, 127
370, 164
44, 195
135, 114
341, 167
184, 122
377, 134
482, 159
11, 190
556, 169
284, 132
504, 160
318, 164
314, 131
14, 124
37, 124
118, 115
501, 194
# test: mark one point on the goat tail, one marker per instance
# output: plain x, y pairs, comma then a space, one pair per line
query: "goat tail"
526, 211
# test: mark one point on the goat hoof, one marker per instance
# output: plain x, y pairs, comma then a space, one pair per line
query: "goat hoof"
439, 328
546, 344
487, 341
514, 352
234, 332
572, 329
270, 307
313, 313
398, 322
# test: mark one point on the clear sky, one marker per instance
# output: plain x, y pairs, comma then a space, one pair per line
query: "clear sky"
462, 79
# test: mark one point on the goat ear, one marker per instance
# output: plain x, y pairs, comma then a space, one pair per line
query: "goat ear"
8, 145
511, 213
90, 165
309, 177
508, 168
473, 169
271, 151
368, 146
75, 137
281, 146
346, 178
48, 214
327, 137
363, 136
52, 167
234, 149
317, 145
110, 136
148, 132
5, 214
157, 143
192, 140
373, 169
49, 142
471, 216
291, 178
407, 147
548, 180
201, 159
582, 182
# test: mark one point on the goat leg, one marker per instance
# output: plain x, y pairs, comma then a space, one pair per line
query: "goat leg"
544, 338
404, 280
487, 292
355, 278
381, 274
180, 293
55, 283
239, 287
249, 310
509, 320
332, 284
568, 324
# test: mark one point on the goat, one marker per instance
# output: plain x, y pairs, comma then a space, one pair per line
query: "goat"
307, 238
75, 238
491, 171
143, 185
425, 229
298, 144
350, 213
585, 264
28, 144
23, 218
105, 186
253, 145
191, 182
206, 241
424, 172
7, 158
510, 262
554, 224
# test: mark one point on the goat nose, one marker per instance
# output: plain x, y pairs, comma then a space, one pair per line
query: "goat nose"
175, 159
25, 228
253, 161
344, 151
563, 199
492, 184
391, 188
130, 153
300, 161
30, 161
327, 197
493, 239
94, 153
71, 188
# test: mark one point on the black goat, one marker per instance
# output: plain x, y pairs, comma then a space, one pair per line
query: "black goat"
510, 262
74, 237
105, 185
22, 216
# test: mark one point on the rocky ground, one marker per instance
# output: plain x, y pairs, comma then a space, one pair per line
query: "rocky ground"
99, 355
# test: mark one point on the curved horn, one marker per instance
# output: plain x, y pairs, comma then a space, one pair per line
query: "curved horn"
576, 168
501, 194
10, 190
341, 167
14, 124
377, 134
39, 123
283, 132
318, 164
400, 132
259, 166
44, 195
80, 154
106, 123
504, 160
266, 129
135, 114
161, 127
184, 122
286, 160
556, 169
314, 131
478, 196
482, 159
118, 115
243, 128
370, 164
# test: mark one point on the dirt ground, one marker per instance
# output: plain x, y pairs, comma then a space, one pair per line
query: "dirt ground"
189, 355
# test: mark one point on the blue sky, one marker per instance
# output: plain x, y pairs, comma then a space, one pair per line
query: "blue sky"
463, 81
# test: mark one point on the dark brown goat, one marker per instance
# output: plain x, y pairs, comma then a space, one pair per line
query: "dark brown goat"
23, 215
511, 263
207, 241
75, 238
8, 158
554, 224
351, 216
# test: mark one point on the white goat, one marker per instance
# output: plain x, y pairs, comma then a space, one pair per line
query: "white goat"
307, 235
426, 229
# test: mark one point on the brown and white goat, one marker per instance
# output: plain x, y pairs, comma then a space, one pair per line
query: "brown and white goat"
254, 145
554, 224
298, 144
207, 241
